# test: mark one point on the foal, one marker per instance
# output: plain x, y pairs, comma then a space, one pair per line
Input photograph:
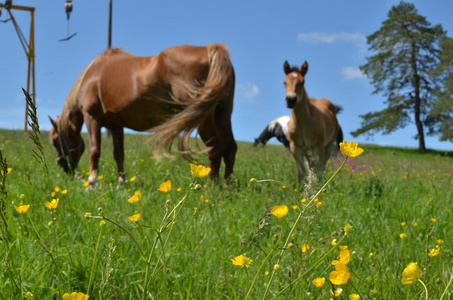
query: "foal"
313, 125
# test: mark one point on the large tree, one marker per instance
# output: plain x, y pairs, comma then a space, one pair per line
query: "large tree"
407, 50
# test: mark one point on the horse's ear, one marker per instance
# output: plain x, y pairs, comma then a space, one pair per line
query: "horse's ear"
54, 124
304, 68
286, 67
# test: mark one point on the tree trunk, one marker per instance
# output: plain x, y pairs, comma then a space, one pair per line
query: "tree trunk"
417, 102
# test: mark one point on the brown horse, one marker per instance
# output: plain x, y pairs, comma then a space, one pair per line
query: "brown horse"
176, 91
313, 124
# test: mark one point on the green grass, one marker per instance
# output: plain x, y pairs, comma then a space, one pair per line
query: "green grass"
374, 193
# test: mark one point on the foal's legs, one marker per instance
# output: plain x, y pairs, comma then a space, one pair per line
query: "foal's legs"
299, 157
94, 137
118, 151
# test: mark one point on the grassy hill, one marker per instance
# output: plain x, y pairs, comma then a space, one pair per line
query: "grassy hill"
397, 201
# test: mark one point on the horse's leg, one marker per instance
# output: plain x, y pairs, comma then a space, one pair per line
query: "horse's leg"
214, 145
298, 155
118, 151
94, 138
229, 153
320, 158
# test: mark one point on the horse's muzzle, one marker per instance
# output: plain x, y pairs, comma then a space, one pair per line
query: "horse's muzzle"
291, 101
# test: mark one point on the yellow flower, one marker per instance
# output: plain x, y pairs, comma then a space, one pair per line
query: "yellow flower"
241, 261
28, 295
132, 179
8, 170
64, 192
178, 189
135, 218
319, 282
344, 257
75, 296
341, 275
415, 224
199, 171
305, 247
100, 176
403, 235
294, 206
318, 204
303, 200
85, 184
279, 211
434, 220
165, 186
434, 252
52, 194
56, 189
53, 204
134, 199
439, 241
22, 209
350, 149
411, 273
403, 223
354, 297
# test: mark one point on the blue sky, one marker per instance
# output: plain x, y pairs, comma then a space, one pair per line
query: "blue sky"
261, 35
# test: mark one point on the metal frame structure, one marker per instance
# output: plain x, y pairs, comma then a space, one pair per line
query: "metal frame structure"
29, 49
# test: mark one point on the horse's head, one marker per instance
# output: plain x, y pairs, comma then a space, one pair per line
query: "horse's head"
294, 83
69, 147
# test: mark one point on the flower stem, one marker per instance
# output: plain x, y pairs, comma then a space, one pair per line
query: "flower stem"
426, 289
94, 261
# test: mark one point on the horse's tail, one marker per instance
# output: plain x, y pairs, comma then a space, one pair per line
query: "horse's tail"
203, 100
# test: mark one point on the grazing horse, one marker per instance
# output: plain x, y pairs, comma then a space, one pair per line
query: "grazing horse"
313, 125
176, 91
277, 128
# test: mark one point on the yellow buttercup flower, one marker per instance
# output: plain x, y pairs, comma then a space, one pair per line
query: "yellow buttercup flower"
56, 189
341, 275
241, 261
132, 179
319, 282
305, 247
75, 296
100, 176
350, 149
199, 171
354, 297
52, 204
279, 211
85, 184
434, 220
294, 206
134, 199
22, 209
344, 257
165, 186
411, 273
434, 252
64, 192
403, 235
135, 218
439, 241
403, 223
8, 170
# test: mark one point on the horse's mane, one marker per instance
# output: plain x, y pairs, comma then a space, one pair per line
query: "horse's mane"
70, 107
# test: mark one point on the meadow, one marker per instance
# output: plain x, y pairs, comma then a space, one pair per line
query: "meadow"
385, 209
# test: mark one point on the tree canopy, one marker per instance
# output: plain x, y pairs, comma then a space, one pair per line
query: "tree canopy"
405, 68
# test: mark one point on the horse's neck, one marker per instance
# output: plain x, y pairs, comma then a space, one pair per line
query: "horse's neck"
302, 111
